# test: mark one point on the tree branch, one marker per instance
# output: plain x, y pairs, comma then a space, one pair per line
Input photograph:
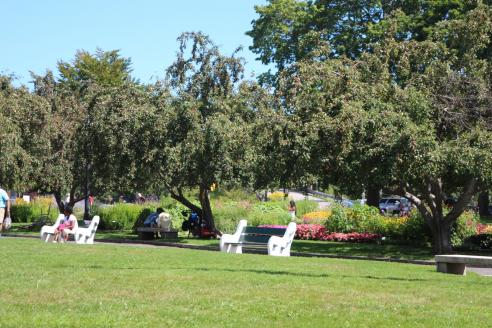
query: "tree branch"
178, 195
463, 201
424, 211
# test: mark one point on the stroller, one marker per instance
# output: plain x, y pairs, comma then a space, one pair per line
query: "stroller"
197, 227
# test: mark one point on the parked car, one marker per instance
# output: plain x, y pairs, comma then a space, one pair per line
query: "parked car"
394, 205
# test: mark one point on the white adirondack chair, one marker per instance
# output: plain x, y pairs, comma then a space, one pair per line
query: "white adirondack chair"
86, 235
280, 246
227, 239
47, 232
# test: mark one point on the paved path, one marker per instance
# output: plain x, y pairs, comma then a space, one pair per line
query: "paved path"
297, 196
487, 272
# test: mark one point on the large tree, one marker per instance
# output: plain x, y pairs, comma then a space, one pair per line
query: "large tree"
200, 129
23, 118
414, 115
286, 31
90, 106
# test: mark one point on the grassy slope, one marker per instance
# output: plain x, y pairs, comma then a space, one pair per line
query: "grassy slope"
125, 286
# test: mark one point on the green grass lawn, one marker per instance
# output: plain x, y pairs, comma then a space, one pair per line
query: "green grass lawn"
403, 252
50, 285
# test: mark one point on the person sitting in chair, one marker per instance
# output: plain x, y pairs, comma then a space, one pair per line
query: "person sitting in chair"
151, 220
67, 226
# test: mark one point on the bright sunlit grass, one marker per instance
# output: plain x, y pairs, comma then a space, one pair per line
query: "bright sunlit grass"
128, 286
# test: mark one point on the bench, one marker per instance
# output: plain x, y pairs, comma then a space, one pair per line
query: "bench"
81, 235
86, 235
277, 240
148, 233
456, 264
47, 232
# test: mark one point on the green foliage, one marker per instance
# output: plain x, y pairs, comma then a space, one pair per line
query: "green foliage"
363, 218
106, 68
274, 213
21, 213
415, 228
122, 216
478, 242
401, 116
227, 214
30, 212
464, 228
287, 31
23, 137
119, 216
339, 221
305, 206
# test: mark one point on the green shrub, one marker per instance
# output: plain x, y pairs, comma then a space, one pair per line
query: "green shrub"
176, 210
29, 212
120, 216
21, 213
272, 213
365, 218
477, 242
415, 228
339, 221
228, 215
235, 195
305, 206
464, 228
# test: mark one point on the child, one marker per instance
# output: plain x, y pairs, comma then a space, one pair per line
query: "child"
292, 210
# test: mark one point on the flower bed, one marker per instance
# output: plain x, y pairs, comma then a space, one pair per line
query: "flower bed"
318, 232
352, 237
316, 217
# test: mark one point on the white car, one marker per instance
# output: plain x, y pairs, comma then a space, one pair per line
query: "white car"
393, 205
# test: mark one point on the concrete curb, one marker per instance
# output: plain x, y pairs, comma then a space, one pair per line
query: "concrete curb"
249, 251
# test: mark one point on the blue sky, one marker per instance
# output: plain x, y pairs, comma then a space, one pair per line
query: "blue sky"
36, 34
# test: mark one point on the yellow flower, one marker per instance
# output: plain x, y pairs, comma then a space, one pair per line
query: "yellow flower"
276, 196
317, 215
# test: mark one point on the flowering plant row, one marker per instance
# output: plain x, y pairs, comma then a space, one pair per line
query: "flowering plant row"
316, 216
318, 232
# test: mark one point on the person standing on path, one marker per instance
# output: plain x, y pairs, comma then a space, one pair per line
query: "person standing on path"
4, 207
292, 210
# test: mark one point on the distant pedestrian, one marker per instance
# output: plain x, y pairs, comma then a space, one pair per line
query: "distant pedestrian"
292, 210
91, 200
4, 208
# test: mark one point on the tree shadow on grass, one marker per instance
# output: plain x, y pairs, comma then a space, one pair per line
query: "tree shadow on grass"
308, 275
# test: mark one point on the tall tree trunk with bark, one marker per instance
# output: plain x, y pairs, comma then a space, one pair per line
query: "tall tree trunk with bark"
441, 233
207, 216
205, 211
59, 201
430, 206
373, 196
483, 203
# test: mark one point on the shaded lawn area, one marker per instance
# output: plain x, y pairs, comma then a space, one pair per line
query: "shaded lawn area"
129, 286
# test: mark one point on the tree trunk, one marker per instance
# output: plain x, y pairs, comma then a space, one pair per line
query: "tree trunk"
372, 196
483, 203
207, 216
441, 234
59, 201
